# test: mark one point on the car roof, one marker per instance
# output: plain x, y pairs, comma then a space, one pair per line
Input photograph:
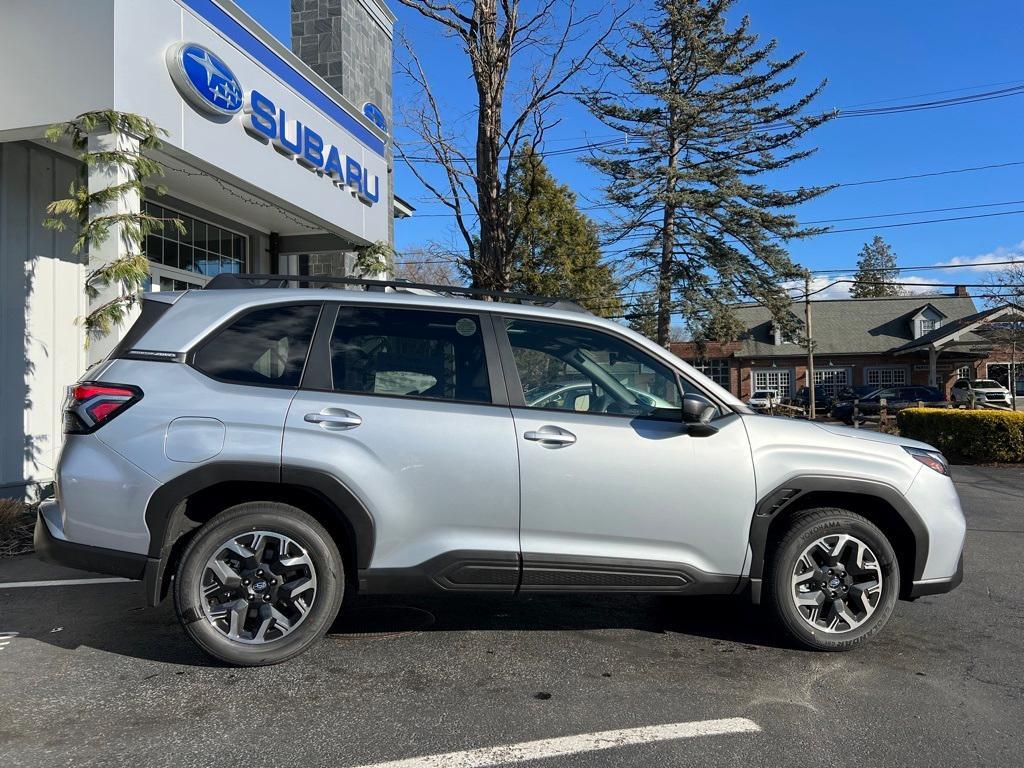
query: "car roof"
193, 314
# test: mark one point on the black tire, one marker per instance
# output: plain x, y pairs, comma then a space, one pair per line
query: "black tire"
241, 520
803, 531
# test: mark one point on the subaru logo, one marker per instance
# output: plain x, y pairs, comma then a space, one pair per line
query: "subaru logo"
259, 586
204, 79
375, 115
834, 582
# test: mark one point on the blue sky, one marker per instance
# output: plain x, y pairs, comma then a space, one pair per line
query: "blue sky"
873, 53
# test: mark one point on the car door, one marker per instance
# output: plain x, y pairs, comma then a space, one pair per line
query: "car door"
618, 495
406, 408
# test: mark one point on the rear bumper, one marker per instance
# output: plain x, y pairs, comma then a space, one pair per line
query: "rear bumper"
938, 586
53, 547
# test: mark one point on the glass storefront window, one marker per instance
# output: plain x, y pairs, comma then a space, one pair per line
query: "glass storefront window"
203, 248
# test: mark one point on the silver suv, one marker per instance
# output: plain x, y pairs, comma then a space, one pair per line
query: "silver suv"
264, 452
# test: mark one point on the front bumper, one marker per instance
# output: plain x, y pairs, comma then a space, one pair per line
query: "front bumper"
53, 547
938, 586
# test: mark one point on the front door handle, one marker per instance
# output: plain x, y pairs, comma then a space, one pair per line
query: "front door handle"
551, 436
334, 419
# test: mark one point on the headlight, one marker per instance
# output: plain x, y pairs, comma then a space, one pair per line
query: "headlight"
931, 459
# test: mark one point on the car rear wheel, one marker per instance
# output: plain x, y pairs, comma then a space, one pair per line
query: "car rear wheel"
833, 580
259, 584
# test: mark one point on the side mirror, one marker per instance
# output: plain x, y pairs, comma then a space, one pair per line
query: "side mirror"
698, 412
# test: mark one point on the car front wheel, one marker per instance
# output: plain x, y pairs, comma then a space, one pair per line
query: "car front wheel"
259, 584
833, 580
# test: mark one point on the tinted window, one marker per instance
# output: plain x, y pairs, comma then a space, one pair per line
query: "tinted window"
267, 346
577, 369
410, 353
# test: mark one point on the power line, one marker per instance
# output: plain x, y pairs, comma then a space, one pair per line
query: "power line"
827, 232
802, 297
1014, 90
622, 296
915, 213
859, 183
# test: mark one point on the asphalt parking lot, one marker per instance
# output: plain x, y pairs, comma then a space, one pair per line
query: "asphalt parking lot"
88, 676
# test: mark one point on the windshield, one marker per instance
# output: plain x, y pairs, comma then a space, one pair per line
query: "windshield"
763, 395
987, 384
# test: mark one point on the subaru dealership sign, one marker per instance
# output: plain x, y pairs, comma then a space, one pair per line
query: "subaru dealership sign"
209, 85
204, 80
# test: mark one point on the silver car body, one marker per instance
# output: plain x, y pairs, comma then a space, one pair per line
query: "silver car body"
451, 495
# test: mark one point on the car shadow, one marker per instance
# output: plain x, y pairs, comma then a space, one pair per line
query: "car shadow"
113, 618
731, 619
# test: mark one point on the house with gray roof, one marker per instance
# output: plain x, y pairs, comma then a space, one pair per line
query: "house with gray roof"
892, 341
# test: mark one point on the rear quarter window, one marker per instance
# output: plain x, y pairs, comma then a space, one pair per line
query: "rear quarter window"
264, 347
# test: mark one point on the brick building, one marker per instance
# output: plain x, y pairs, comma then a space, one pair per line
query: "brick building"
877, 341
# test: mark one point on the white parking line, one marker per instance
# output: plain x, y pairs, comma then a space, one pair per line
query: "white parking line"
571, 745
61, 582
5, 639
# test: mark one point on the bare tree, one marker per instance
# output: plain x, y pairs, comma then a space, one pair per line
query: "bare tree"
1007, 287
430, 265
503, 40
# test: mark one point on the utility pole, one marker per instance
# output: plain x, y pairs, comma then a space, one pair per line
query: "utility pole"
810, 346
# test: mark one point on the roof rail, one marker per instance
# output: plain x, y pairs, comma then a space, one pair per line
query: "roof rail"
230, 281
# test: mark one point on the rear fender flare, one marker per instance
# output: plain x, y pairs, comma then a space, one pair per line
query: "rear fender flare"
167, 523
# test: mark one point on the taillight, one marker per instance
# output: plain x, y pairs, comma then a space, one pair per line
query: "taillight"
91, 405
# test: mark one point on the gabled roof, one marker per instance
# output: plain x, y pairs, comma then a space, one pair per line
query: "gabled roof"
851, 326
931, 306
963, 327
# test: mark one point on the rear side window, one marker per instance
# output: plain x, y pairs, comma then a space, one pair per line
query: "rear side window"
267, 346
410, 353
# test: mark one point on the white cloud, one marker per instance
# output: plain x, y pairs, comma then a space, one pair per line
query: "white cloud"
838, 286
982, 261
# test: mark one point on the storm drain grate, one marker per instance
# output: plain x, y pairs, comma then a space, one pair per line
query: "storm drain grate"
376, 622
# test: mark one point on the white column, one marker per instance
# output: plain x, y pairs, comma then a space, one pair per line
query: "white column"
102, 176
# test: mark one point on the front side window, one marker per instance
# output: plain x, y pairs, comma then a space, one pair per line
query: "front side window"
410, 353
267, 346
568, 368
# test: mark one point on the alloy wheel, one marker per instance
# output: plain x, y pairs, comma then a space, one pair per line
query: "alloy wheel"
837, 583
258, 587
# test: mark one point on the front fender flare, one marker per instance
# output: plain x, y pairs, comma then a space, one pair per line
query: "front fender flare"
785, 495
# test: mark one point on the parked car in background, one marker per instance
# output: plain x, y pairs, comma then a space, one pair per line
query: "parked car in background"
854, 393
763, 399
983, 390
896, 399
822, 399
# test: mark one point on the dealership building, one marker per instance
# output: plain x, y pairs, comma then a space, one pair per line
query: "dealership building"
277, 159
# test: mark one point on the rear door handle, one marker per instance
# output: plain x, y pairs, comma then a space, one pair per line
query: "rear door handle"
334, 419
551, 436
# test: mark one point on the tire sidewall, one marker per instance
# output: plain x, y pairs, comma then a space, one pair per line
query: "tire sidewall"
803, 533
237, 521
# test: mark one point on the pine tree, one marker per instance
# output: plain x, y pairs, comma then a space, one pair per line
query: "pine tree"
557, 247
704, 113
877, 273
642, 315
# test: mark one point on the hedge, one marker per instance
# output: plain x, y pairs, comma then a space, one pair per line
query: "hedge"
967, 436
